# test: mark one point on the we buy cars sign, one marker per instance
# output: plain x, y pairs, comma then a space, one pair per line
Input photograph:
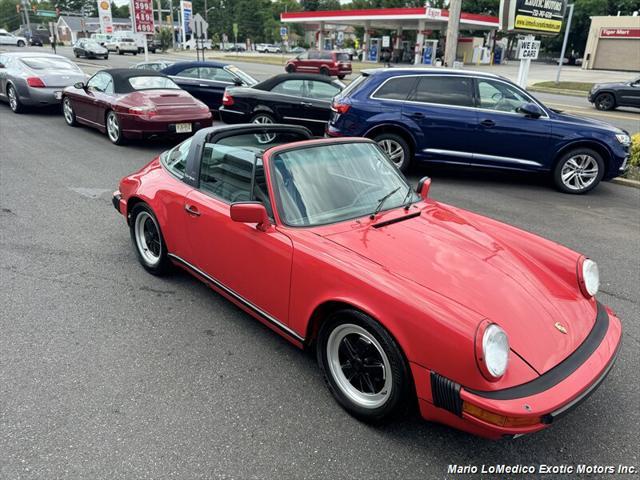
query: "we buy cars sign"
142, 16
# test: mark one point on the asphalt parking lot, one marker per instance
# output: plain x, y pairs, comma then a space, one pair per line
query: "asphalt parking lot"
109, 372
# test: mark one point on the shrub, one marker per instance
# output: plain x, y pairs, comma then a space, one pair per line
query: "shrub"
634, 157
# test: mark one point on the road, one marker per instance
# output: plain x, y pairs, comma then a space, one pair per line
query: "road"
625, 118
108, 372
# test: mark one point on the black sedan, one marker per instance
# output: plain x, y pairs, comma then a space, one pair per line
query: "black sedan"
207, 81
297, 98
607, 96
89, 48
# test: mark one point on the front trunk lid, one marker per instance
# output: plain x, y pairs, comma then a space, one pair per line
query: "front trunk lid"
443, 252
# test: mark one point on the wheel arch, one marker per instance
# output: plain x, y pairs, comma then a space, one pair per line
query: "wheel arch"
598, 147
395, 129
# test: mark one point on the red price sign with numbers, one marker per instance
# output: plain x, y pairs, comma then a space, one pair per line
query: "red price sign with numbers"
142, 16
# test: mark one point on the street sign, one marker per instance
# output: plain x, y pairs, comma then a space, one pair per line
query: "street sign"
284, 32
142, 16
386, 41
104, 14
433, 12
528, 49
46, 13
235, 29
198, 25
538, 17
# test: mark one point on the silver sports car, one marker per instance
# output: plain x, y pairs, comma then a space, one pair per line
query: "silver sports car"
35, 79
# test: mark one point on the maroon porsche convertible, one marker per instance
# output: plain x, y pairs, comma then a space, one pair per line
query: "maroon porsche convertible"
127, 103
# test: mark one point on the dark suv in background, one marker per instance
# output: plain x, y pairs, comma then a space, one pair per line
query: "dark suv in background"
324, 62
476, 119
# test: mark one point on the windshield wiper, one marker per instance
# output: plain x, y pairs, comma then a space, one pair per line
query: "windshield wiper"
406, 203
381, 203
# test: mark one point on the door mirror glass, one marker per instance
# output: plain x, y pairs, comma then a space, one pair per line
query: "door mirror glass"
251, 212
423, 187
79, 85
530, 110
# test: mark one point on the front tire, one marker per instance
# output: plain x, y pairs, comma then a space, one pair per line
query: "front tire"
290, 69
148, 240
578, 171
14, 100
396, 148
114, 131
363, 366
324, 71
20, 43
605, 101
68, 113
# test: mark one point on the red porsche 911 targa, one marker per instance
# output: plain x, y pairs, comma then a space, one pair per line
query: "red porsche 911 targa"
493, 330
129, 103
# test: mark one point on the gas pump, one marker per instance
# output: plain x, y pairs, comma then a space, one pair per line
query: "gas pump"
407, 51
374, 50
429, 52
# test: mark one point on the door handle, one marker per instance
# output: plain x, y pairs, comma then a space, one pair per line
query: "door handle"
203, 85
191, 210
306, 104
488, 123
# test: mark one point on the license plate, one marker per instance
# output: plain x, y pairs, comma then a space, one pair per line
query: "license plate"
183, 127
58, 95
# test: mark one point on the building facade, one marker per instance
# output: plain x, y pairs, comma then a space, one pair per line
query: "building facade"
613, 44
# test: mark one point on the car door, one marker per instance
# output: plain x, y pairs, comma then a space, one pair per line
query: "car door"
4, 73
249, 264
441, 109
85, 101
629, 94
5, 39
317, 104
104, 97
212, 82
305, 61
286, 99
188, 79
503, 137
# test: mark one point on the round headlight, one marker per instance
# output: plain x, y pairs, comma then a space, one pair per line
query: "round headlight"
495, 350
590, 277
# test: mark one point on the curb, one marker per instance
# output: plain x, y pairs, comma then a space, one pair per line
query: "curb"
558, 91
627, 182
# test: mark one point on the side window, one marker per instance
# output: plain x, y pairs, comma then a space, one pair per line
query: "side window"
326, 55
396, 88
443, 90
303, 56
99, 82
225, 172
175, 160
321, 90
500, 96
216, 74
314, 55
109, 87
289, 87
189, 73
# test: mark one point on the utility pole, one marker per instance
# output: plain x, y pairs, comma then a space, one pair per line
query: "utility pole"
25, 4
455, 6
564, 42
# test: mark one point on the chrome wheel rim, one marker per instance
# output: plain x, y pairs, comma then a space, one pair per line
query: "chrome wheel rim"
68, 111
359, 366
579, 172
264, 120
148, 238
13, 99
394, 151
605, 102
113, 129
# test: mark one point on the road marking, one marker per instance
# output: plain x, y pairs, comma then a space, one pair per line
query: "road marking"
578, 109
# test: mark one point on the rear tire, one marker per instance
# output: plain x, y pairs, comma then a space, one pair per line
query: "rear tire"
148, 241
14, 100
324, 71
20, 43
68, 113
114, 131
341, 77
605, 101
290, 69
396, 148
363, 366
578, 171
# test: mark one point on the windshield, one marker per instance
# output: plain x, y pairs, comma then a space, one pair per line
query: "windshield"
246, 78
152, 83
333, 183
46, 63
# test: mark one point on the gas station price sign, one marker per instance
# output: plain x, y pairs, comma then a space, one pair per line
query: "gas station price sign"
143, 16
537, 17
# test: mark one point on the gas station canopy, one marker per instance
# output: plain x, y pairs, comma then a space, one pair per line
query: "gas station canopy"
393, 18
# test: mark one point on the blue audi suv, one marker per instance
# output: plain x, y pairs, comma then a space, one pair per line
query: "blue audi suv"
476, 119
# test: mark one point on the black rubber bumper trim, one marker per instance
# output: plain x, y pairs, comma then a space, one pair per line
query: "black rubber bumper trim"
446, 394
116, 201
560, 371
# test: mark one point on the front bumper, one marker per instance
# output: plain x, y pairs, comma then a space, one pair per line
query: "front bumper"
532, 406
118, 203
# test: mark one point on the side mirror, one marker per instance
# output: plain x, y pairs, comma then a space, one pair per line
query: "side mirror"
238, 82
251, 212
1, 65
79, 85
423, 187
530, 110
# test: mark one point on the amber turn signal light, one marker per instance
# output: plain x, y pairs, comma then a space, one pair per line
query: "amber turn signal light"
496, 419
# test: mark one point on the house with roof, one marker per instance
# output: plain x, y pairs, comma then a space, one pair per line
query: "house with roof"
71, 28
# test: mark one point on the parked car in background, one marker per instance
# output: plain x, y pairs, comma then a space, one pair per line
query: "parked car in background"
122, 45
607, 96
325, 62
298, 50
268, 48
471, 118
35, 79
7, 38
101, 38
35, 40
233, 47
130, 103
203, 44
155, 65
89, 48
207, 80
296, 98
404, 300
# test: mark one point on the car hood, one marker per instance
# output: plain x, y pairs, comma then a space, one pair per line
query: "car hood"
598, 86
443, 252
583, 121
